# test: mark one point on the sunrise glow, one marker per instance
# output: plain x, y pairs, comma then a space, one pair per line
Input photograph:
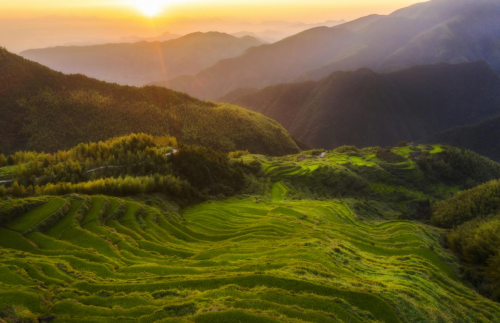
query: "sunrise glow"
150, 8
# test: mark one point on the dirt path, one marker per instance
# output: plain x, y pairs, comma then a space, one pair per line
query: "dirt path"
103, 167
173, 152
106, 167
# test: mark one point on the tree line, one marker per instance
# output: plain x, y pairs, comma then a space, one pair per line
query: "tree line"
128, 165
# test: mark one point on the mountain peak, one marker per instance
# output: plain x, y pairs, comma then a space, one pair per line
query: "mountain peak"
145, 61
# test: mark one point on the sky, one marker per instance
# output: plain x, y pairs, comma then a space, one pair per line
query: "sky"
303, 10
26, 24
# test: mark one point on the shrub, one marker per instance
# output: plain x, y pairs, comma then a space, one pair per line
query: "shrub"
345, 149
238, 153
387, 155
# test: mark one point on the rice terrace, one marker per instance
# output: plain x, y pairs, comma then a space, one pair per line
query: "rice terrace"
287, 254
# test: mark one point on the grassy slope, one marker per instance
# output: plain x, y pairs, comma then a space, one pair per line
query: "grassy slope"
247, 259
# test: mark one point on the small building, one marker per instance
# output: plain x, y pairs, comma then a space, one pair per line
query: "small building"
415, 156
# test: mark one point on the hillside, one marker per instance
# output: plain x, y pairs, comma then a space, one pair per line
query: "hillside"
475, 218
364, 108
303, 244
143, 62
426, 33
44, 110
483, 138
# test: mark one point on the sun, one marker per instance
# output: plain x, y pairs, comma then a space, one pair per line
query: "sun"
150, 8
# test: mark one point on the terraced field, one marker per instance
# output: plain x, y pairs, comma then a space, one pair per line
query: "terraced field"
295, 253
106, 259
344, 159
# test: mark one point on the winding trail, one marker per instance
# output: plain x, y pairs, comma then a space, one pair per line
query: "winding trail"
121, 166
105, 167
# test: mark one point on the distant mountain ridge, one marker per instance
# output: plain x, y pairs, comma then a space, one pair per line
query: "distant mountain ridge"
365, 108
483, 138
44, 110
166, 36
452, 31
272, 36
140, 63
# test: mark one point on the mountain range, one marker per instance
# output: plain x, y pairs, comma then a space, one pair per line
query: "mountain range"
140, 63
284, 30
23, 33
365, 108
166, 36
452, 31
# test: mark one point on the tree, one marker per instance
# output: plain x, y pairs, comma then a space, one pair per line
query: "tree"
17, 190
3, 160
11, 161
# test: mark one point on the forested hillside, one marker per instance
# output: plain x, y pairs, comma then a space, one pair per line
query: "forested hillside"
452, 31
483, 137
474, 216
365, 108
44, 110
143, 62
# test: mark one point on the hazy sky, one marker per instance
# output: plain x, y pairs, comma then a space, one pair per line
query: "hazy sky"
26, 24
303, 10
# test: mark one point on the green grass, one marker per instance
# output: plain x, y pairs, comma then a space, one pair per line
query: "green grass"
98, 205
8, 277
278, 191
436, 149
232, 317
67, 221
32, 218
